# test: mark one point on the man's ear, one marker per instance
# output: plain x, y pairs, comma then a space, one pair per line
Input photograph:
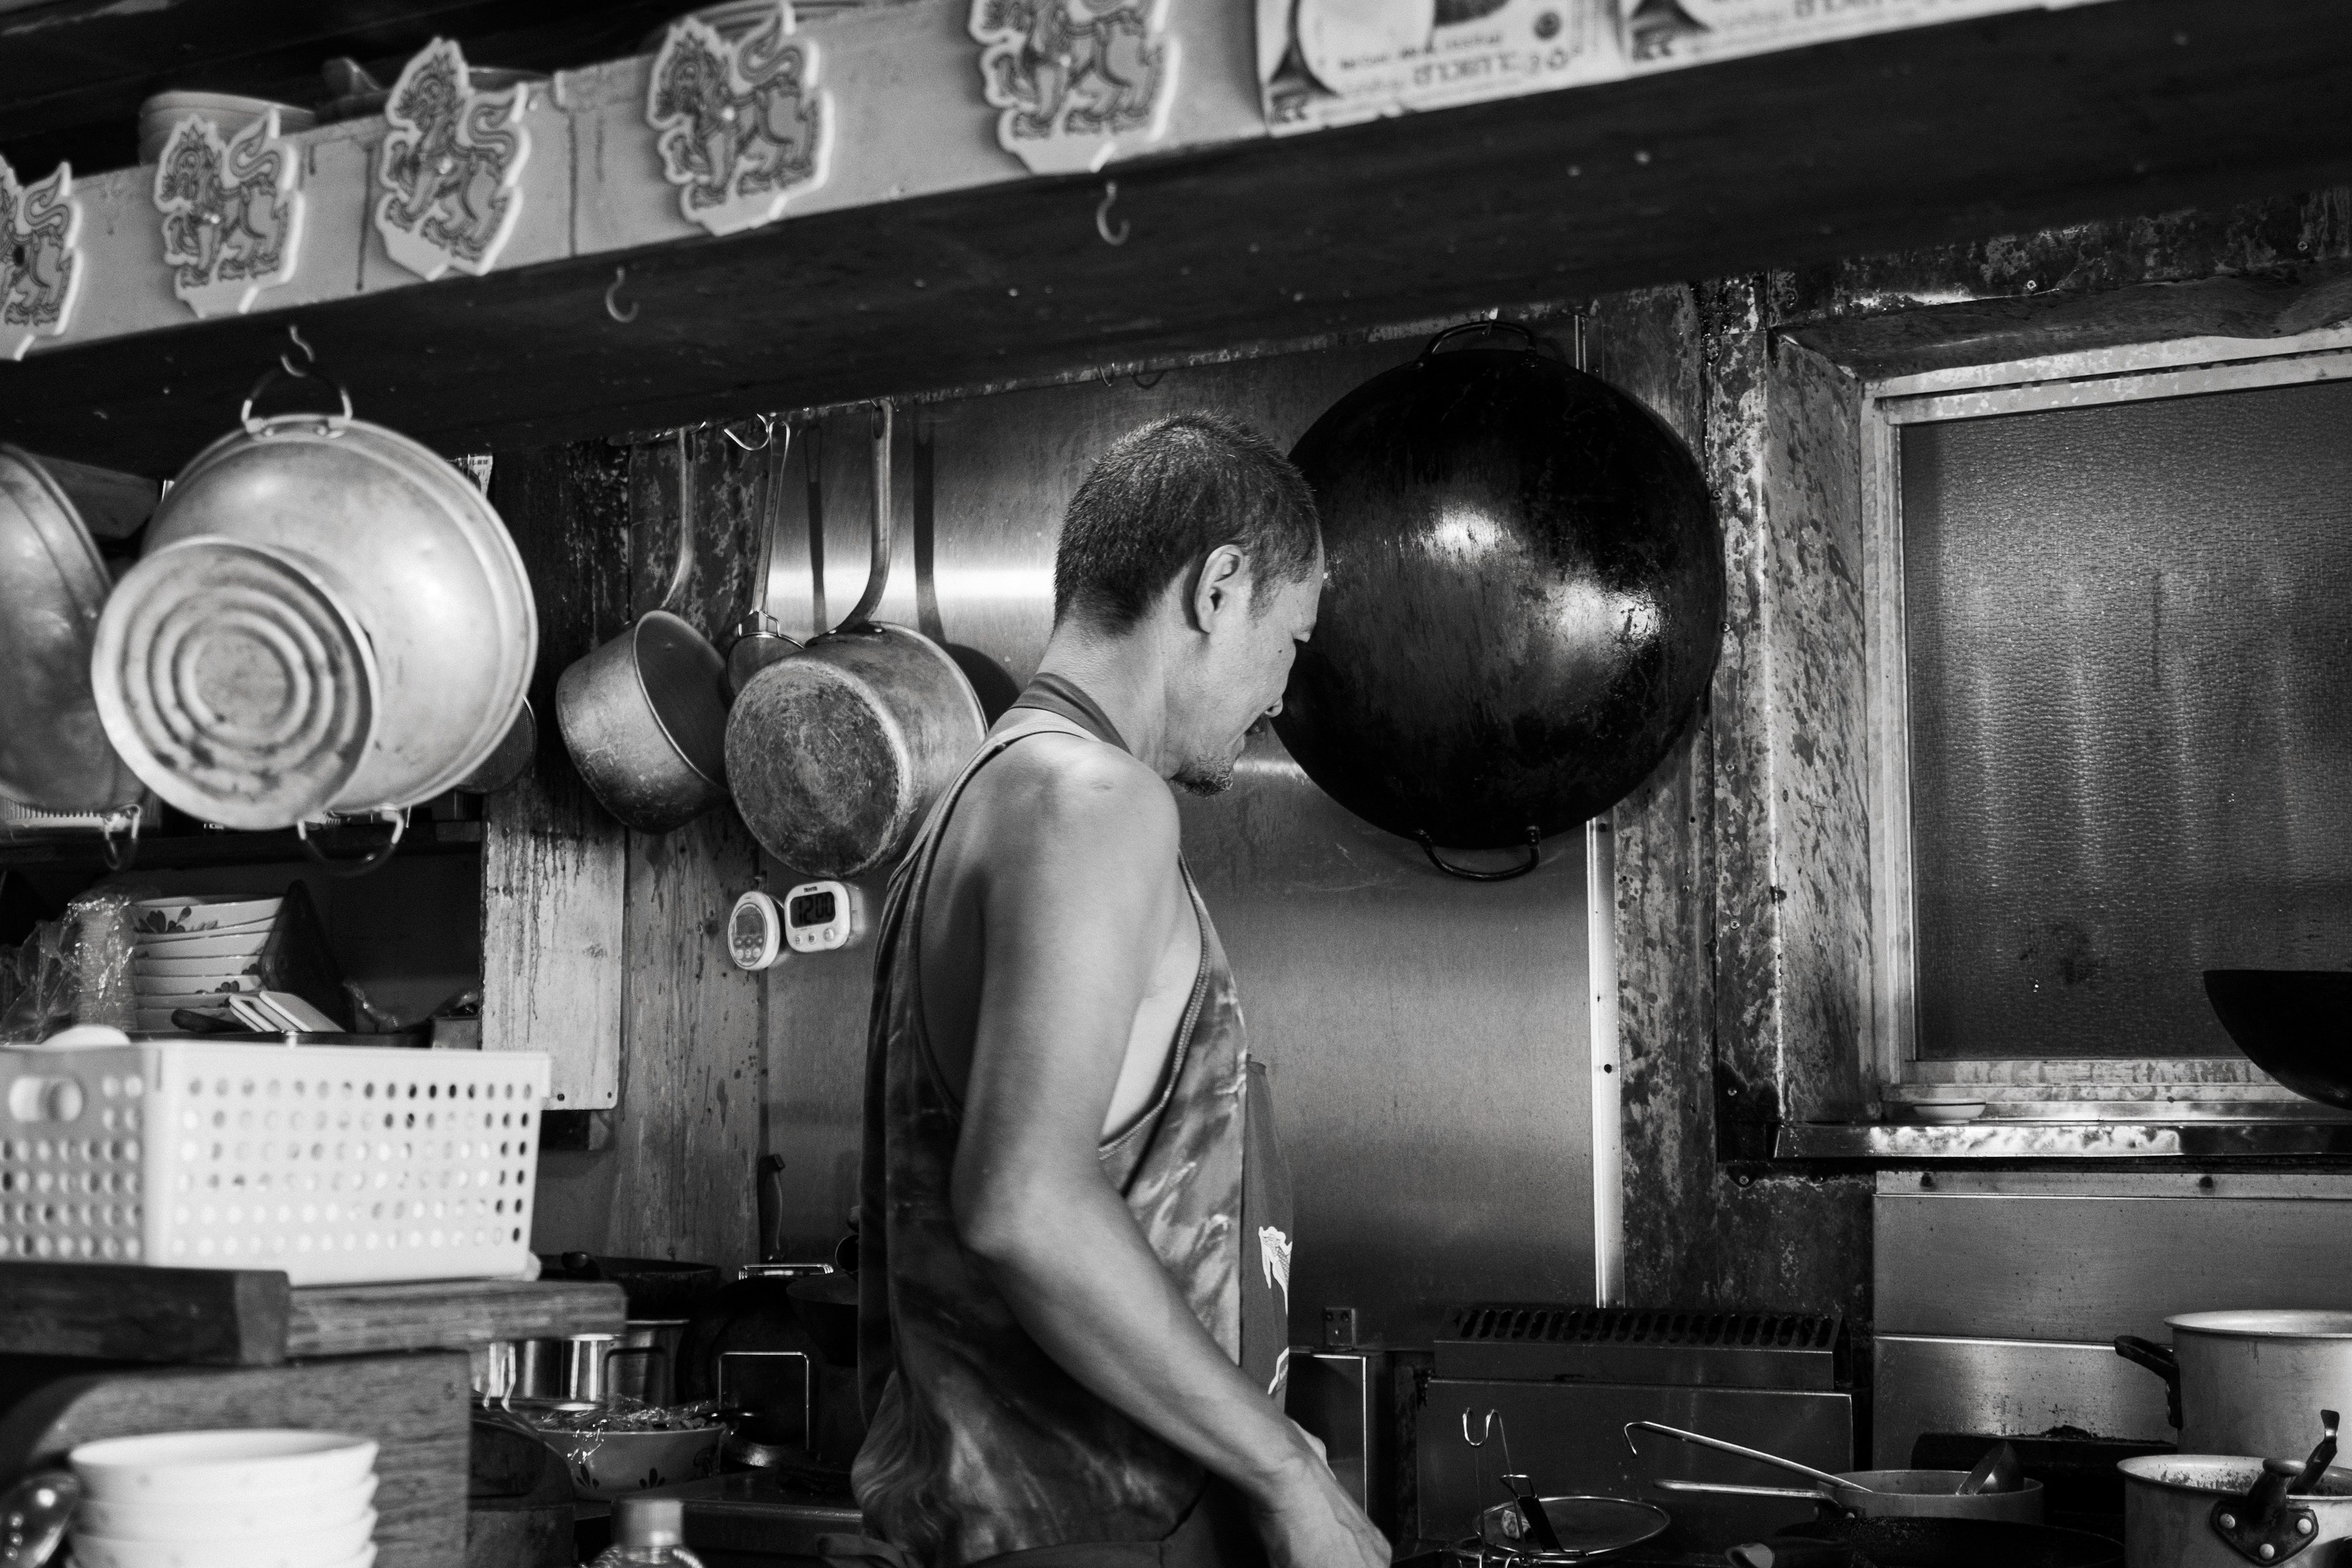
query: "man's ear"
1222, 586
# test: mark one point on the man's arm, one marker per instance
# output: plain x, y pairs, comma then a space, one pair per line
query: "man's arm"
1077, 902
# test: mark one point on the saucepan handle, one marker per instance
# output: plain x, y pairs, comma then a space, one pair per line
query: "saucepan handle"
1727, 1489
394, 818
1471, 874
334, 423
2160, 1359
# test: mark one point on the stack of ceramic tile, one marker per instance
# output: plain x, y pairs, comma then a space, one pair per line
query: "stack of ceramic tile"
265, 1498
195, 951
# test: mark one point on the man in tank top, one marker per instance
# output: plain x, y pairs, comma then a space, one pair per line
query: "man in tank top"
1077, 1234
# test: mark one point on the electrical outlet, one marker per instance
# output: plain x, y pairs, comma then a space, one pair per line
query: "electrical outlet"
1338, 1328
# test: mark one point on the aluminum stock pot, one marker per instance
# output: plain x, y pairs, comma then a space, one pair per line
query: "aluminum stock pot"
328, 618
2252, 1381
2215, 1510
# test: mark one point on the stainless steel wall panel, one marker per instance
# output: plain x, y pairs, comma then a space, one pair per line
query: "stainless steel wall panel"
1429, 1037
2062, 1267
2015, 1388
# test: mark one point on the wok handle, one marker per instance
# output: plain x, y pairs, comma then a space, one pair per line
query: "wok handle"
1719, 1445
1471, 874
1534, 344
334, 423
1727, 1489
2160, 1359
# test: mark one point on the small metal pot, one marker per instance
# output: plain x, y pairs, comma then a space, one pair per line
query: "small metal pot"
2214, 1511
645, 716
2251, 1382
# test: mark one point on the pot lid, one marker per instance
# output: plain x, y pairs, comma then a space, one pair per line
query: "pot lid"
234, 681
2264, 1323
53, 751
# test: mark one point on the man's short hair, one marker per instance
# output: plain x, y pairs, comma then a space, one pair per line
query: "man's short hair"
1165, 495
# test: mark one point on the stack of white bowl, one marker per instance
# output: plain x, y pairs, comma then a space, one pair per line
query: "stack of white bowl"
191, 950
267, 1499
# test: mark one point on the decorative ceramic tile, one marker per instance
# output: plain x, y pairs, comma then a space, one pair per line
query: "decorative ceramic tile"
1079, 84
740, 125
41, 264
232, 212
448, 166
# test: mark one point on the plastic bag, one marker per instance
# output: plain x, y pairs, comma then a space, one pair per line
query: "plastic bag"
72, 970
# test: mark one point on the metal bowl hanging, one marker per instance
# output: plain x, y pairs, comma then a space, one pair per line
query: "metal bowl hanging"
1524, 599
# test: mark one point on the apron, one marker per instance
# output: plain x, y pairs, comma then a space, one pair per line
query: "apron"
980, 1449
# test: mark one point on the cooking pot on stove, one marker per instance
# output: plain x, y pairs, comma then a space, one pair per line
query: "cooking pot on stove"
2250, 1382
2212, 1510
327, 618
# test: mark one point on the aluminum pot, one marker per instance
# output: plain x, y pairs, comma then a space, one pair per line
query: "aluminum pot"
2214, 1511
645, 716
2251, 1382
328, 619
835, 752
54, 753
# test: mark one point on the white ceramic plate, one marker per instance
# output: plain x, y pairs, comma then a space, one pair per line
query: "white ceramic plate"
200, 913
283, 1513
200, 966
204, 945
202, 1466
305, 1549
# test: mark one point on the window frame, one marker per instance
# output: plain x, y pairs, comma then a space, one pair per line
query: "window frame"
2034, 1088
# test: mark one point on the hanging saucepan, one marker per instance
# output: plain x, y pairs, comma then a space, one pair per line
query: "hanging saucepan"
327, 620
645, 716
836, 751
760, 640
1524, 598
54, 753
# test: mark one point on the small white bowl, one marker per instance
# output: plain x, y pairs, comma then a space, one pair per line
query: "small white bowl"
1945, 1111
198, 966
228, 112
200, 1467
336, 1543
199, 912
280, 1513
226, 946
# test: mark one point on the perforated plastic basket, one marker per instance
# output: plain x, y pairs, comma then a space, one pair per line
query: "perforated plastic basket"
338, 1165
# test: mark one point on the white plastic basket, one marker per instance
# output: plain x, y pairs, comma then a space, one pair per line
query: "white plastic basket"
338, 1165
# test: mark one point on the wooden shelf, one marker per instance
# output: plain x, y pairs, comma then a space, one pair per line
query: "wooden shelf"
178, 850
1898, 140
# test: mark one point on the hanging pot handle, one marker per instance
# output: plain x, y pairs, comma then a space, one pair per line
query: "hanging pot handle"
333, 424
119, 837
878, 570
672, 595
1470, 874
396, 818
1534, 344
2160, 1359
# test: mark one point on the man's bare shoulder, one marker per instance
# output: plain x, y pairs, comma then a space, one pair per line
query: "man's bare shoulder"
1075, 797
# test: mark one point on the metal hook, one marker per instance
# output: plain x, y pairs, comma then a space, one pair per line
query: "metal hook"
310, 355
1493, 1428
611, 298
1102, 215
767, 424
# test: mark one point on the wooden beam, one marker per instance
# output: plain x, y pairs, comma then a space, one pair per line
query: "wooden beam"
1994, 126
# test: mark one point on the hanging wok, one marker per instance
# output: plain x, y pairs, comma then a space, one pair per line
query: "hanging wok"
1524, 598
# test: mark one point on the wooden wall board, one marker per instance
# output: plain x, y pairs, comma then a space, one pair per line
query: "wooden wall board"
554, 863
441, 1314
1926, 137
206, 1317
414, 1407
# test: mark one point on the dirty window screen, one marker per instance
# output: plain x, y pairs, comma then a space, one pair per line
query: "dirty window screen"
2130, 675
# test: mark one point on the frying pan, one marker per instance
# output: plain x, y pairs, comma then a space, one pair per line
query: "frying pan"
1524, 598
2293, 1024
